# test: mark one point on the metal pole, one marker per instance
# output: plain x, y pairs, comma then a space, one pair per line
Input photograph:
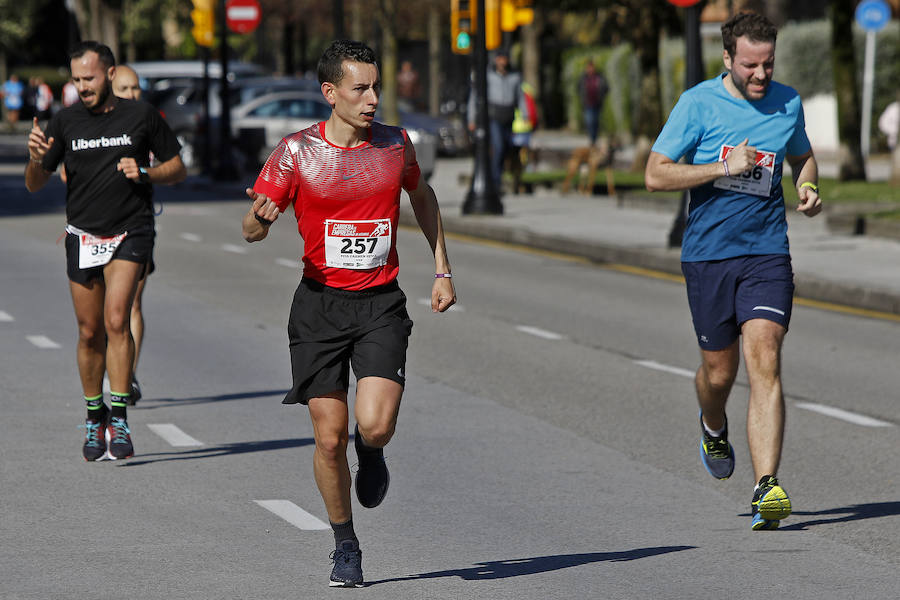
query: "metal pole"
226, 170
868, 80
482, 197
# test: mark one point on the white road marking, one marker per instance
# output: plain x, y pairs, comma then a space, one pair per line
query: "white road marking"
42, 341
427, 302
843, 415
234, 248
191, 237
173, 435
287, 262
5, 316
541, 333
294, 515
652, 364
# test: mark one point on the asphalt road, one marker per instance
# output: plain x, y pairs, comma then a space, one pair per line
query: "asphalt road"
546, 448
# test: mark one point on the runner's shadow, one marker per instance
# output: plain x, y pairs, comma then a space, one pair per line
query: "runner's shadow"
503, 569
150, 404
845, 514
223, 450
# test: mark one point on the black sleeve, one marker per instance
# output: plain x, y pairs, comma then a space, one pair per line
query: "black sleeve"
57, 151
163, 142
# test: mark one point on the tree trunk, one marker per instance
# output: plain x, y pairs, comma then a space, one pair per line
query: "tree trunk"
648, 116
843, 61
357, 26
388, 20
531, 55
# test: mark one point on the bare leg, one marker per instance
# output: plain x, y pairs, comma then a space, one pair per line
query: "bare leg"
330, 418
137, 322
377, 406
88, 303
121, 281
713, 382
765, 414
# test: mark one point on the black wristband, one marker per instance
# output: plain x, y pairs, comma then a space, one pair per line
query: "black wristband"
262, 220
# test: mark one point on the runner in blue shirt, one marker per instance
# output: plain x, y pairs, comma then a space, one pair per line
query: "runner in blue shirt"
735, 131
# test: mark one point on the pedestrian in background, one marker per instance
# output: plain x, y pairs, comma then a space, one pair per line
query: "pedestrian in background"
14, 99
736, 130
592, 90
409, 87
504, 96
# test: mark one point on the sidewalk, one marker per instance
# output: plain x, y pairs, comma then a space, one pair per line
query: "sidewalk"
858, 271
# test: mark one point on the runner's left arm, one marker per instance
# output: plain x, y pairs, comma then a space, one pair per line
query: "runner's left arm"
170, 171
428, 215
804, 169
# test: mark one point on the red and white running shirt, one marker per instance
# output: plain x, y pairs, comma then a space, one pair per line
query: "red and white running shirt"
346, 200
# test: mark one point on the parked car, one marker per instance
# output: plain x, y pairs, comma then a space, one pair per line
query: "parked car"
259, 125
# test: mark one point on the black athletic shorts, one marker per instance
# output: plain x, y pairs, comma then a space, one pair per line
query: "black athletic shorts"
136, 247
331, 330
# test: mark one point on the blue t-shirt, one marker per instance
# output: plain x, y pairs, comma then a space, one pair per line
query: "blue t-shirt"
744, 214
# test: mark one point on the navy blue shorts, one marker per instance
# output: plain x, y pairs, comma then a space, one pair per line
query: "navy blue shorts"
723, 294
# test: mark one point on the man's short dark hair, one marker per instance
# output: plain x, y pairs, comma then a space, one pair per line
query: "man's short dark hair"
102, 50
754, 26
330, 67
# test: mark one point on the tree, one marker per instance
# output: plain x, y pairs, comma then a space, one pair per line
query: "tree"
851, 164
15, 26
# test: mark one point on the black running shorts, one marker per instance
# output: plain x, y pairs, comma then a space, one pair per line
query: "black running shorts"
136, 247
331, 330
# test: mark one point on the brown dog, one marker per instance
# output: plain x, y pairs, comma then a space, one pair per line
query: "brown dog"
593, 157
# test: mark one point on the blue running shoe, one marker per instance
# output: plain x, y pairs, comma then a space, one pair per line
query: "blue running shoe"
372, 478
716, 453
120, 445
94, 440
770, 504
347, 571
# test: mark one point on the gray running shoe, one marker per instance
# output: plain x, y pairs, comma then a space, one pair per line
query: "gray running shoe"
716, 453
347, 571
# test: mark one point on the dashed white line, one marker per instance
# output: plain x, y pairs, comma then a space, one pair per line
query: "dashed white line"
42, 341
538, 332
234, 248
191, 237
5, 316
427, 302
652, 364
173, 435
843, 415
287, 262
294, 515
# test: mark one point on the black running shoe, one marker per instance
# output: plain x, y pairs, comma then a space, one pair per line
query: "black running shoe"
347, 571
120, 445
135, 394
372, 478
94, 440
716, 453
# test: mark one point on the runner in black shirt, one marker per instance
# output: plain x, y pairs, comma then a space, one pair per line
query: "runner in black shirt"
105, 144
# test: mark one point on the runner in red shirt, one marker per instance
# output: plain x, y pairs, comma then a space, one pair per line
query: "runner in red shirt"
344, 178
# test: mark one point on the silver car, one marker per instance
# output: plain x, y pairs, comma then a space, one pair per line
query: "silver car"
260, 124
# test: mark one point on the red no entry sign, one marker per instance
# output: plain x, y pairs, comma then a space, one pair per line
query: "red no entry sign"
242, 16
683, 2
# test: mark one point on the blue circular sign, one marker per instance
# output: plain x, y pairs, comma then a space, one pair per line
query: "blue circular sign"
873, 15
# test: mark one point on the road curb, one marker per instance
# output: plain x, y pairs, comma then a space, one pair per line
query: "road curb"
659, 259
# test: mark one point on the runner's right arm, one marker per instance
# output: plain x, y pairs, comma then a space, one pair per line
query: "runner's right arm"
263, 212
664, 174
38, 146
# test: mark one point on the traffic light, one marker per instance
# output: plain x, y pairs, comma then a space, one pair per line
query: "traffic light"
515, 13
203, 16
462, 25
493, 37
